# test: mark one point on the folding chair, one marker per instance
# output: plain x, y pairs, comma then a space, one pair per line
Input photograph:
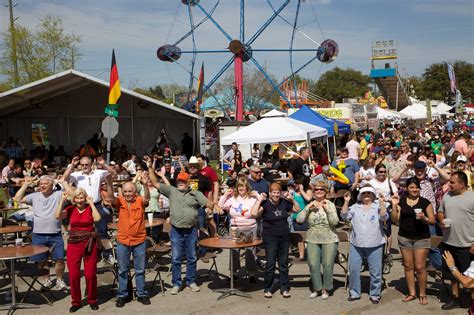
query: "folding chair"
153, 253
433, 272
107, 244
342, 258
32, 272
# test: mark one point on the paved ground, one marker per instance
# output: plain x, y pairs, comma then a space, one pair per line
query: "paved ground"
205, 302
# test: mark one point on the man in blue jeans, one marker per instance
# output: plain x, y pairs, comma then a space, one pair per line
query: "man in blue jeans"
47, 229
131, 238
184, 205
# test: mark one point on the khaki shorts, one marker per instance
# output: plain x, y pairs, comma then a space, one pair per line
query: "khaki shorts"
408, 243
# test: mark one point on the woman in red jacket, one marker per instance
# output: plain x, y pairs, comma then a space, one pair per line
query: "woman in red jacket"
82, 244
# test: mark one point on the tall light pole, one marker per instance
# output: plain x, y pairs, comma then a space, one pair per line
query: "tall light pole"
16, 76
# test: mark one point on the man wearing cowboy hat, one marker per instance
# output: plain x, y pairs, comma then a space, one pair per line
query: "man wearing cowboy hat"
184, 204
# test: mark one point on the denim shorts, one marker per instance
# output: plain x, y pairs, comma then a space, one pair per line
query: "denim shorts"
408, 243
48, 240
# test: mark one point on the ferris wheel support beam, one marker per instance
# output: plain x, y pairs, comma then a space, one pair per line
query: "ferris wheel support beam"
253, 50
265, 25
214, 22
275, 87
239, 86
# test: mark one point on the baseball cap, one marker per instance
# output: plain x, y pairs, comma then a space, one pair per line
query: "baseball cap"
420, 165
183, 176
461, 158
291, 183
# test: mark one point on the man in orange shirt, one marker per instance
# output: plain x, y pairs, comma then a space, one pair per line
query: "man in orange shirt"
131, 238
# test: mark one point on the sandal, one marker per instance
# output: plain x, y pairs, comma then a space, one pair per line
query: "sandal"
423, 300
409, 298
286, 294
268, 295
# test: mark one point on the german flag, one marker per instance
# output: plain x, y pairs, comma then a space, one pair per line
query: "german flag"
200, 89
114, 91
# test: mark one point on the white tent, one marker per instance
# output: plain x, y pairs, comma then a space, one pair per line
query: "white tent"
415, 111
387, 114
275, 129
443, 108
274, 113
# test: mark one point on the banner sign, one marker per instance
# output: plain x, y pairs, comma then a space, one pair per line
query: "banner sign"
39, 135
335, 113
384, 49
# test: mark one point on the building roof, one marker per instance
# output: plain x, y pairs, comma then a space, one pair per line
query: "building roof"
60, 84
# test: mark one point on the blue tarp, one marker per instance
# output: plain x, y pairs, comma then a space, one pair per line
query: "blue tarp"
307, 115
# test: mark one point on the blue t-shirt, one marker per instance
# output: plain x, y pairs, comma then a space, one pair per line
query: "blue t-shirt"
349, 171
261, 186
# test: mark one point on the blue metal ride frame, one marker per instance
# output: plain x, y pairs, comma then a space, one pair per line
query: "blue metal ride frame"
265, 25
252, 39
193, 60
257, 50
214, 22
295, 87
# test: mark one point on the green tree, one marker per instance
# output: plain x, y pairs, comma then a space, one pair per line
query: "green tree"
436, 83
41, 53
258, 92
338, 83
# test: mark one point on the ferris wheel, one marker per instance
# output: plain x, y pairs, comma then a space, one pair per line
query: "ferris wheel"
241, 49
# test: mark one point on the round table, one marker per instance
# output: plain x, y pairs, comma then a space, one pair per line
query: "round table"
12, 229
155, 222
228, 243
13, 253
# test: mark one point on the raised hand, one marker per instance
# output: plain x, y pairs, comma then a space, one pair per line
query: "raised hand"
100, 161
395, 200
90, 200
325, 205
144, 178
64, 196
347, 196
263, 196
381, 197
75, 161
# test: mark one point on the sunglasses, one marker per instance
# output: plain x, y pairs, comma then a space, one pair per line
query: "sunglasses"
257, 172
366, 193
319, 189
382, 172
87, 164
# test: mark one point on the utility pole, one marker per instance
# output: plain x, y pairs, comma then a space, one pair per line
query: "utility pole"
16, 76
73, 52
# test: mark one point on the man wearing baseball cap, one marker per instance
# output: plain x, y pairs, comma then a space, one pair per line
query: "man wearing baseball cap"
461, 165
184, 204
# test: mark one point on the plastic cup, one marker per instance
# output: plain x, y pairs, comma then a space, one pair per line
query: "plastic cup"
233, 232
447, 223
417, 211
19, 242
150, 217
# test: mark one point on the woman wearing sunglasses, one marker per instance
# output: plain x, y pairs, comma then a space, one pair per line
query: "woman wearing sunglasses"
321, 239
367, 240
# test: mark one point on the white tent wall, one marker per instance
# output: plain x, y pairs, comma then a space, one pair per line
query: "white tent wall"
73, 118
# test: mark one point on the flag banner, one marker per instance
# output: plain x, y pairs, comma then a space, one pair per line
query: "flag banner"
114, 90
200, 89
452, 77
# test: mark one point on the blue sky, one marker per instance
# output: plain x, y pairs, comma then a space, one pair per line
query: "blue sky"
426, 31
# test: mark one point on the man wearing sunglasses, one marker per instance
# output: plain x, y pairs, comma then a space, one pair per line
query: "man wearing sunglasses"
256, 180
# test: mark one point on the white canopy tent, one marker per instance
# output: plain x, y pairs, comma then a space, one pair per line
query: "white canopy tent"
274, 113
415, 111
443, 107
275, 129
388, 114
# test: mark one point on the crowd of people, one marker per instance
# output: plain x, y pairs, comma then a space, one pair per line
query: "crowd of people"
417, 178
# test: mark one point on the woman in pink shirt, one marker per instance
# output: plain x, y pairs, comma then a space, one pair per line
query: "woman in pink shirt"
239, 203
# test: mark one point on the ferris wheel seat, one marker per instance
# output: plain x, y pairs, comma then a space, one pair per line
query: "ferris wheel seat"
328, 51
168, 53
190, 2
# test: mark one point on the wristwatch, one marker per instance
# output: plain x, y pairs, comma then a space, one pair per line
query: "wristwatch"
452, 268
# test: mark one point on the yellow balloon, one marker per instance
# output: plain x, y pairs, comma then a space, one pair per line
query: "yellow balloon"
341, 178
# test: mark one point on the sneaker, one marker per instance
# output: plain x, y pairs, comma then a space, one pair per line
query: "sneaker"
452, 304
46, 285
120, 302
174, 290
193, 286
324, 296
313, 295
144, 300
60, 284
74, 308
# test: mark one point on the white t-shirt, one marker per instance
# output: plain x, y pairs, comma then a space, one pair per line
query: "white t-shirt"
44, 212
384, 187
353, 147
366, 172
90, 182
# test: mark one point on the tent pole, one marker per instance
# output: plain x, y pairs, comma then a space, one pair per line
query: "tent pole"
132, 124
334, 140
327, 146
68, 125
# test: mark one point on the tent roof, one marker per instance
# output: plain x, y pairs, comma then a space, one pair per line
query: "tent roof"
60, 84
274, 113
274, 129
387, 114
307, 115
416, 111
